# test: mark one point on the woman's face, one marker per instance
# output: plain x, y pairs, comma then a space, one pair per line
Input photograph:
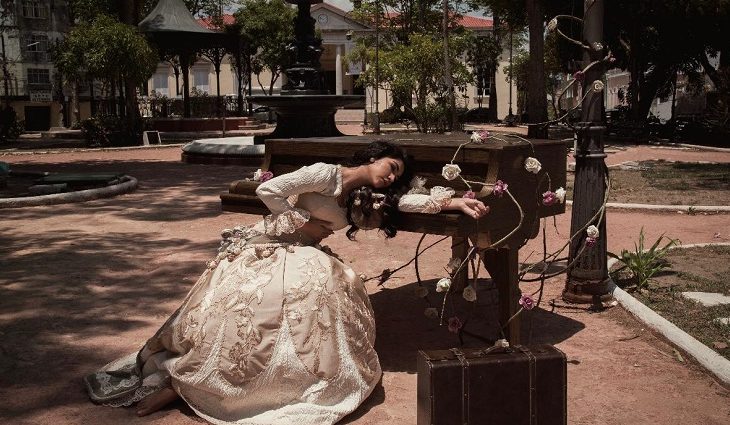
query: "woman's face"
384, 171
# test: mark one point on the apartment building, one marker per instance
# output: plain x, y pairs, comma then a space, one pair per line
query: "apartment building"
30, 83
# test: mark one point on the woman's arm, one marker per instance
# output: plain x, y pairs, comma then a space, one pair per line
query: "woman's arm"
440, 199
471, 207
285, 218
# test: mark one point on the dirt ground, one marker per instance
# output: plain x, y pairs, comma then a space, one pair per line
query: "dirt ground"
82, 284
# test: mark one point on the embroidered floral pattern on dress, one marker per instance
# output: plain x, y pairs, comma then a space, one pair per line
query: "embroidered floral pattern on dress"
440, 197
286, 222
250, 337
358, 322
311, 297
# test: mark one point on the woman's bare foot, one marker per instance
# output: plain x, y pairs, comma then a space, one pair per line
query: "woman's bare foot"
156, 401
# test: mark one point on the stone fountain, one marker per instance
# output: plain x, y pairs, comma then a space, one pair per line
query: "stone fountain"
304, 108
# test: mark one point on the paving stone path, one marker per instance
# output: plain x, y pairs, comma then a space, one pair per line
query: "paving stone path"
82, 284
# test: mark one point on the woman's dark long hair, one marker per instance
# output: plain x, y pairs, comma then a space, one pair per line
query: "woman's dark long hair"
367, 203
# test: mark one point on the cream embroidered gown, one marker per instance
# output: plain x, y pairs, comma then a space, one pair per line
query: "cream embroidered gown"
275, 331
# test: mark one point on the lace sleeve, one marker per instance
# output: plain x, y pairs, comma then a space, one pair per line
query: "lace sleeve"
322, 178
430, 204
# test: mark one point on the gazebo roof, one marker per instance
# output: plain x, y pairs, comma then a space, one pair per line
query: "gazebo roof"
171, 16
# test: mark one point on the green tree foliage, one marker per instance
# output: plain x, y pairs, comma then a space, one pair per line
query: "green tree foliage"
655, 39
106, 50
411, 59
267, 26
416, 70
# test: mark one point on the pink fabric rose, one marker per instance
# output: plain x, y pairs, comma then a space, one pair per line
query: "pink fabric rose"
265, 176
549, 198
579, 75
527, 302
591, 242
499, 188
469, 195
454, 324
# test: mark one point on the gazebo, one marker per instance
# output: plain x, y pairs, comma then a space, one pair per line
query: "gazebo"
173, 29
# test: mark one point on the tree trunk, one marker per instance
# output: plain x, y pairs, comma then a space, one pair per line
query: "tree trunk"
130, 15
634, 87
76, 108
537, 92
496, 22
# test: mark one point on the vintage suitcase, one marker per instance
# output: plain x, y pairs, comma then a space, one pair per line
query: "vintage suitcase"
494, 386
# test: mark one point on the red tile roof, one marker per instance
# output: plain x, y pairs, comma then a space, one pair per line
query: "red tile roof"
472, 22
208, 23
475, 22
466, 21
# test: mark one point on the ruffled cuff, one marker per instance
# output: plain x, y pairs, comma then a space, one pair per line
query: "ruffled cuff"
440, 197
287, 222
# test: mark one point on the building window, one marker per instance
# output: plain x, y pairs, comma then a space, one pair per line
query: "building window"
37, 43
200, 77
39, 77
483, 83
159, 84
35, 9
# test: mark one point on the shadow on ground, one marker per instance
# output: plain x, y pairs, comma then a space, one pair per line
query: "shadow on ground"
402, 328
156, 199
69, 290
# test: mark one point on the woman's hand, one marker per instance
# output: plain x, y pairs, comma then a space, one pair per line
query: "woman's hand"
472, 207
315, 229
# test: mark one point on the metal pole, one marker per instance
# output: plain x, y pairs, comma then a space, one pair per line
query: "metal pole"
448, 80
376, 116
587, 280
6, 74
510, 120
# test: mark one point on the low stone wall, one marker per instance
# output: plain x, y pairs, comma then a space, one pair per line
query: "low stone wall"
197, 124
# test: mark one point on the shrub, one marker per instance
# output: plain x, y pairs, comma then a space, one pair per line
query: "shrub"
109, 130
645, 263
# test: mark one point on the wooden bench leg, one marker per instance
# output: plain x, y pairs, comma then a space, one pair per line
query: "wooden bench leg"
459, 249
502, 267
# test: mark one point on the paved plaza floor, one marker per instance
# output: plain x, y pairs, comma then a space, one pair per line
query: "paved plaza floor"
82, 284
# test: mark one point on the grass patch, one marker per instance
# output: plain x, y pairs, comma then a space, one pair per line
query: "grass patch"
668, 183
692, 269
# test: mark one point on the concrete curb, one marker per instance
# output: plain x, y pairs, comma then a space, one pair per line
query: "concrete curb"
710, 360
683, 208
128, 184
72, 150
690, 146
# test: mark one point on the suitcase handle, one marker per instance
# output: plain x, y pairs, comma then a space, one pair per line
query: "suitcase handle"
499, 347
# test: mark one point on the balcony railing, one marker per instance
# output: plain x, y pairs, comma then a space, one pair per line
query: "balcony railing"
21, 87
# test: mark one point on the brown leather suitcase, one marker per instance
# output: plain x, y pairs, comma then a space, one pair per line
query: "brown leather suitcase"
494, 386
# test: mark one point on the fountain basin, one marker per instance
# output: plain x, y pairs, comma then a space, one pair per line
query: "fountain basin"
305, 115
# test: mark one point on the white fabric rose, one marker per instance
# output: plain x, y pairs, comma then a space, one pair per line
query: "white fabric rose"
552, 25
598, 86
431, 313
257, 175
454, 264
443, 285
592, 232
560, 194
451, 171
469, 294
421, 292
418, 186
533, 165
475, 137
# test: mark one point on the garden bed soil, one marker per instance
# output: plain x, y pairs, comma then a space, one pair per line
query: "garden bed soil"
697, 269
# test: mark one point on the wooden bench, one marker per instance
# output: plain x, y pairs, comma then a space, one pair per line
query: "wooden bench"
489, 162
